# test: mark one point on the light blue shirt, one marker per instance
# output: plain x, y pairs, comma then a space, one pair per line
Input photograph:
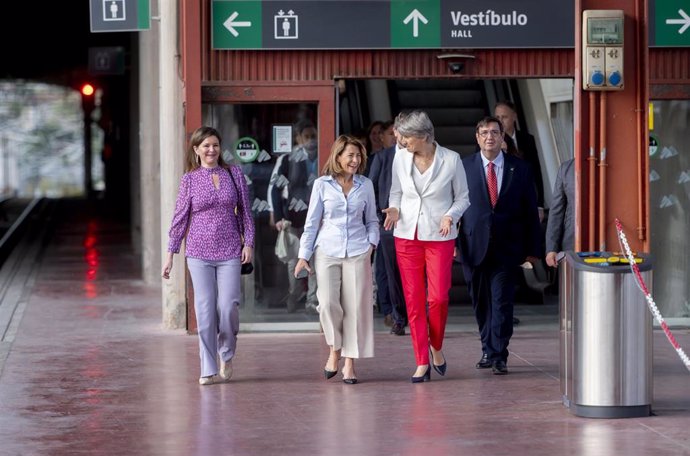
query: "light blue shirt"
338, 225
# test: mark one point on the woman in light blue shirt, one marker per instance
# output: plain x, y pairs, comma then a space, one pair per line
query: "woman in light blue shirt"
340, 234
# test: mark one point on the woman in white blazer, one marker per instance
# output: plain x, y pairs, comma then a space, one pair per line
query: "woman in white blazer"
428, 196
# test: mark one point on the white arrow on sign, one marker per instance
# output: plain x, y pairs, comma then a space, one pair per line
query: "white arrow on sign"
685, 21
230, 25
415, 16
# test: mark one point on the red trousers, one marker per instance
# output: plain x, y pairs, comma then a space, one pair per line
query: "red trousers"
425, 272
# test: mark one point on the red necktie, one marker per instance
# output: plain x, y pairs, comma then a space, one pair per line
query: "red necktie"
492, 184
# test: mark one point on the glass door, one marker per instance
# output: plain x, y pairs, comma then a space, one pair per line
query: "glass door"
280, 136
669, 193
276, 144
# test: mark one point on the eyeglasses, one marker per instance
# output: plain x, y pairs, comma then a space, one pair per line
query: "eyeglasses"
485, 133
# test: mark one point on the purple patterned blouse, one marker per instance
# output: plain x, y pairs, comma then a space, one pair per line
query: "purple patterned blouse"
214, 233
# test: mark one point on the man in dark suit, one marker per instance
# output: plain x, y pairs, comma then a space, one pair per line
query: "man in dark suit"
496, 238
520, 143
560, 228
289, 191
380, 174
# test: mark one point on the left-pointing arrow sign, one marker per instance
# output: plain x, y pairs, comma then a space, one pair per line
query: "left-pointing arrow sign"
230, 24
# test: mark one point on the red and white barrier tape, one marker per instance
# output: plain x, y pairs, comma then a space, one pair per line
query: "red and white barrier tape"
625, 247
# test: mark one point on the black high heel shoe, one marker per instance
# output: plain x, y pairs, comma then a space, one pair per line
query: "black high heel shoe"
329, 374
424, 378
441, 369
350, 379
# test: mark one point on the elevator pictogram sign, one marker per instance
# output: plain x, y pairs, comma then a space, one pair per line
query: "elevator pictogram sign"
120, 15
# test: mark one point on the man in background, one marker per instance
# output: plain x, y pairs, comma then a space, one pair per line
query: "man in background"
560, 228
289, 192
390, 295
521, 144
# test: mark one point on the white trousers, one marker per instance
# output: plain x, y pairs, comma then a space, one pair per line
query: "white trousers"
217, 296
344, 289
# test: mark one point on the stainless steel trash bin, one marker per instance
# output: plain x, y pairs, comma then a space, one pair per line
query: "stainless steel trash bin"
605, 337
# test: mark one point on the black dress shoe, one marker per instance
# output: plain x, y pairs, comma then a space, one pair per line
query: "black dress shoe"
424, 378
499, 367
350, 381
398, 330
483, 363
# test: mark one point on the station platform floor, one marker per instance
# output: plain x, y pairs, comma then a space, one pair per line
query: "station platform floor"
87, 369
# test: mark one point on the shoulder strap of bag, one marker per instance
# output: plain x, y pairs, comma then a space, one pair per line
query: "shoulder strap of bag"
239, 199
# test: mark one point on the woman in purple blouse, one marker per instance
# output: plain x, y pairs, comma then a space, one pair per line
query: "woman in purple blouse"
213, 215
340, 233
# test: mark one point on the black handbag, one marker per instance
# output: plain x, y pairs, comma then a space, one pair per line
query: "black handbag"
247, 268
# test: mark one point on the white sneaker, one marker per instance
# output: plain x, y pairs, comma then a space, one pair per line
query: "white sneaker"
226, 370
210, 380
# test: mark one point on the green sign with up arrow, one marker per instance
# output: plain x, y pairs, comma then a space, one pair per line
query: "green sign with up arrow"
415, 24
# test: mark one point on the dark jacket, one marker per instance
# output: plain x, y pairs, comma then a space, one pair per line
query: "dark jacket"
527, 150
560, 228
295, 169
512, 226
380, 173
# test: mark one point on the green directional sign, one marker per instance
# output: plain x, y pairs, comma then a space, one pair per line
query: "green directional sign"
415, 24
670, 26
236, 25
397, 24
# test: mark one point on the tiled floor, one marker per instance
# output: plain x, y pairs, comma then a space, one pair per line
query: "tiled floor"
90, 371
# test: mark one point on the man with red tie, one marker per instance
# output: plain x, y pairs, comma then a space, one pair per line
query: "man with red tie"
498, 233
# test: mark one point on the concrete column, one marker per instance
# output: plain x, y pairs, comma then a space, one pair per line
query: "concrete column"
171, 154
149, 215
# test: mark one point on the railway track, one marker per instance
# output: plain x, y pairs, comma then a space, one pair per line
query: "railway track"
25, 226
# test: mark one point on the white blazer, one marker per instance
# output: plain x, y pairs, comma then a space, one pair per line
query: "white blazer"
445, 193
